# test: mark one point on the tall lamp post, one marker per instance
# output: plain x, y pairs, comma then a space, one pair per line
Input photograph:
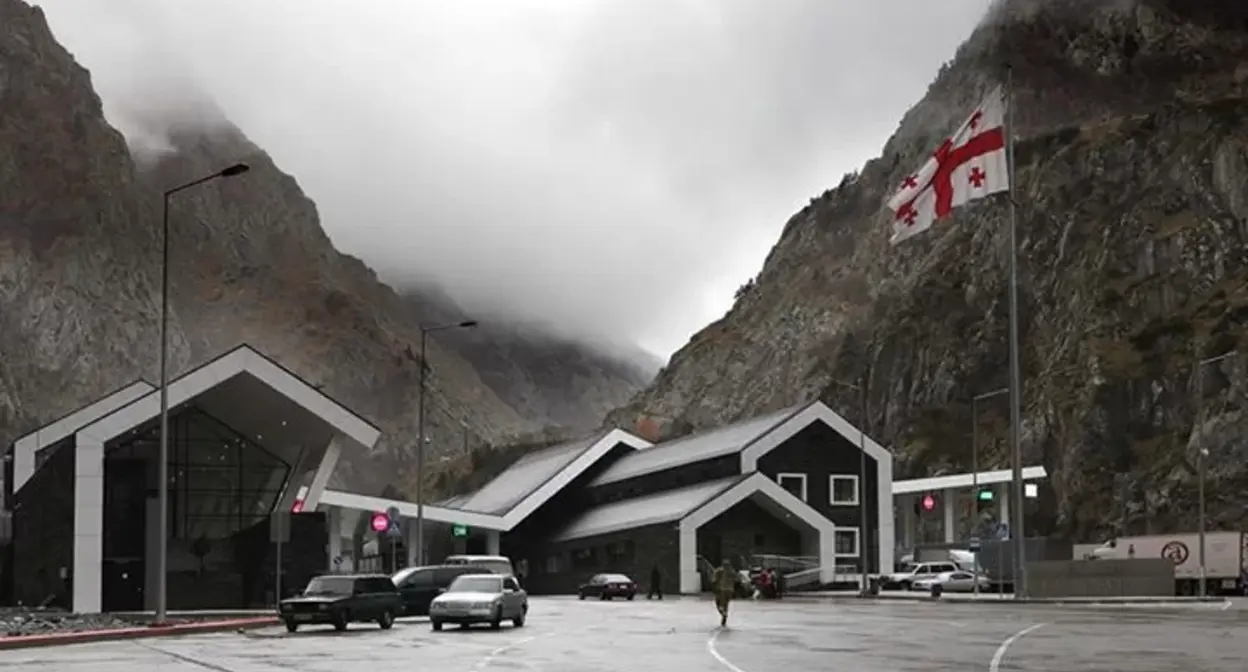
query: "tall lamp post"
162, 555
975, 461
420, 434
863, 534
1201, 453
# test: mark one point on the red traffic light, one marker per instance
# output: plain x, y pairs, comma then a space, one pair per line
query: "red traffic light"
380, 522
297, 507
929, 503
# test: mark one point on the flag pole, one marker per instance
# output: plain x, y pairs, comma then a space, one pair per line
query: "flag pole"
1020, 581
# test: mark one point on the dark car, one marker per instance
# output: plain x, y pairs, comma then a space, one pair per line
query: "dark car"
342, 599
419, 585
607, 586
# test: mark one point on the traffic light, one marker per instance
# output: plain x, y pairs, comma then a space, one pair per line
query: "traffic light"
925, 504
983, 499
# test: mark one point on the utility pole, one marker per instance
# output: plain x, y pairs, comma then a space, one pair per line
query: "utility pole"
975, 468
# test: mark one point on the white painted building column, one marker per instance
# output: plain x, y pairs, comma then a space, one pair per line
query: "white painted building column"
1003, 504
492, 542
690, 580
321, 478
947, 498
88, 563
333, 524
409, 541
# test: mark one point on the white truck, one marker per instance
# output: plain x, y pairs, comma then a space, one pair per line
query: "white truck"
1226, 558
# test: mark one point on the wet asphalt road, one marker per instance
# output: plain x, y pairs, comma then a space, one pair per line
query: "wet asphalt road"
564, 635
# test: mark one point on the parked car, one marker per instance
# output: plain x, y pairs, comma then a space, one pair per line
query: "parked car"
496, 564
419, 585
480, 598
607, 586
953, 582
342, 599
916, 572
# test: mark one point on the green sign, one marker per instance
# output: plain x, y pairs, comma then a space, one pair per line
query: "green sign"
459, 530
985, 495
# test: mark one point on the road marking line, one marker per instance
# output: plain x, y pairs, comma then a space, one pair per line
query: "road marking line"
995, 665
489, 657
1225, 605
710, 648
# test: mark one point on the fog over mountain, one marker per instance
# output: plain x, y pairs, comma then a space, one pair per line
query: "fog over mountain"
610, 169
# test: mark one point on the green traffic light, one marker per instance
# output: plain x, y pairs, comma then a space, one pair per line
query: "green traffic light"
985, 495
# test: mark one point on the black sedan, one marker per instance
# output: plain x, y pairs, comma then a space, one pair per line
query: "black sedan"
607, 586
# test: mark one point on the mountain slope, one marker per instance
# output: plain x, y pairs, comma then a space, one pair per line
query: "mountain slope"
79, 281
1132, 166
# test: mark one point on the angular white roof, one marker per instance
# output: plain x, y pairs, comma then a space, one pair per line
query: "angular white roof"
662, 507
523, 477
724, 440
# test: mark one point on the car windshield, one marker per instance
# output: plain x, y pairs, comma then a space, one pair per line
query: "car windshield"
403, 574
615, 578
476, 584
329, 585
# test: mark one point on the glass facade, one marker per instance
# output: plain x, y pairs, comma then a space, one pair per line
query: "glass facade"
220, 485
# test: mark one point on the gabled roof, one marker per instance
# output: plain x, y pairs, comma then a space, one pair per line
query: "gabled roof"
523, 477
725, 440
25, 448
515, 494
229, 367
628, 514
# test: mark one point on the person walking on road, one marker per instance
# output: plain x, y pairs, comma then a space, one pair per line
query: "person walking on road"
724, 584
656, 583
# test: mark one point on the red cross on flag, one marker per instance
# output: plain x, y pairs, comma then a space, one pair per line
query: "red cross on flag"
968, 166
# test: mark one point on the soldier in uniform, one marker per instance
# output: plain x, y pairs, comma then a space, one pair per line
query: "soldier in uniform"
724, 585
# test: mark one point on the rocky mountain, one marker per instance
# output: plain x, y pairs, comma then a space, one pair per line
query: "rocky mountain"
1132, 192
79, 283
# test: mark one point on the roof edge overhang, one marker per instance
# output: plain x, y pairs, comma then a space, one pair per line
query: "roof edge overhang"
967, 480
752, 484
816, 411
243, 359
407, 509
666, 517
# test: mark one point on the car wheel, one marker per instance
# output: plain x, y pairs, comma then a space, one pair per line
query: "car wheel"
631, 596
518, 621
340, 621
437, 625
497, 622
604, 597
291, 626
386, 621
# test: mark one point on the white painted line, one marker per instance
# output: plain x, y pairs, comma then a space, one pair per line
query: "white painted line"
710, 648
489, 657
995, 665
1225, 605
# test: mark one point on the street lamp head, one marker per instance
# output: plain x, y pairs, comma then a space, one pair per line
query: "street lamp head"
236, 169
468, 324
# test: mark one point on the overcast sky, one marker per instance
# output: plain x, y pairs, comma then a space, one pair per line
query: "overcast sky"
615, 167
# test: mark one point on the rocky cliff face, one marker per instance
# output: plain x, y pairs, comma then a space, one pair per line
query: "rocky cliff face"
79, 283
1132, 190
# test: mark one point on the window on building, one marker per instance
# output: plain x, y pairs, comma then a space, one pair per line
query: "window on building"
794, 483
846, 539
844, 490
584, 558
620, 552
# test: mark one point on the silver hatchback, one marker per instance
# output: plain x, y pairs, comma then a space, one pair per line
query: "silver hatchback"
480, 598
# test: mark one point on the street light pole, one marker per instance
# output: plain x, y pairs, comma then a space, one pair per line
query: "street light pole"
975, 464
1201, 453
420, 434
162, 554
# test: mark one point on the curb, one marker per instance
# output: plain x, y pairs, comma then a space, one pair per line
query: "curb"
143, 632
1080, 601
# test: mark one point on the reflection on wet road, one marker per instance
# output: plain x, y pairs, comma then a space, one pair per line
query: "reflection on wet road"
565, 635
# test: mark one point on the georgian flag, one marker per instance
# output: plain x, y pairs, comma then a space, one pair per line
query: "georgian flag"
968, 166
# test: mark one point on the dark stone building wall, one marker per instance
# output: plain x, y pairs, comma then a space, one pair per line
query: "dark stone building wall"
563, 567
43, 529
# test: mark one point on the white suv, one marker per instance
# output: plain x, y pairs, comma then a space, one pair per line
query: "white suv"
915, 571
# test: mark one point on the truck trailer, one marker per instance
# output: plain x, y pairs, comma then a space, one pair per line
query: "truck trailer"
1226, 558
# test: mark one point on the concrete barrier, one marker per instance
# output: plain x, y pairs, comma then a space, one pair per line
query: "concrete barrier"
1136, 577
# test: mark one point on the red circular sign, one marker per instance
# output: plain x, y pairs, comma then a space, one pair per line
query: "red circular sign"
380, 522
297, 507
929, 502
